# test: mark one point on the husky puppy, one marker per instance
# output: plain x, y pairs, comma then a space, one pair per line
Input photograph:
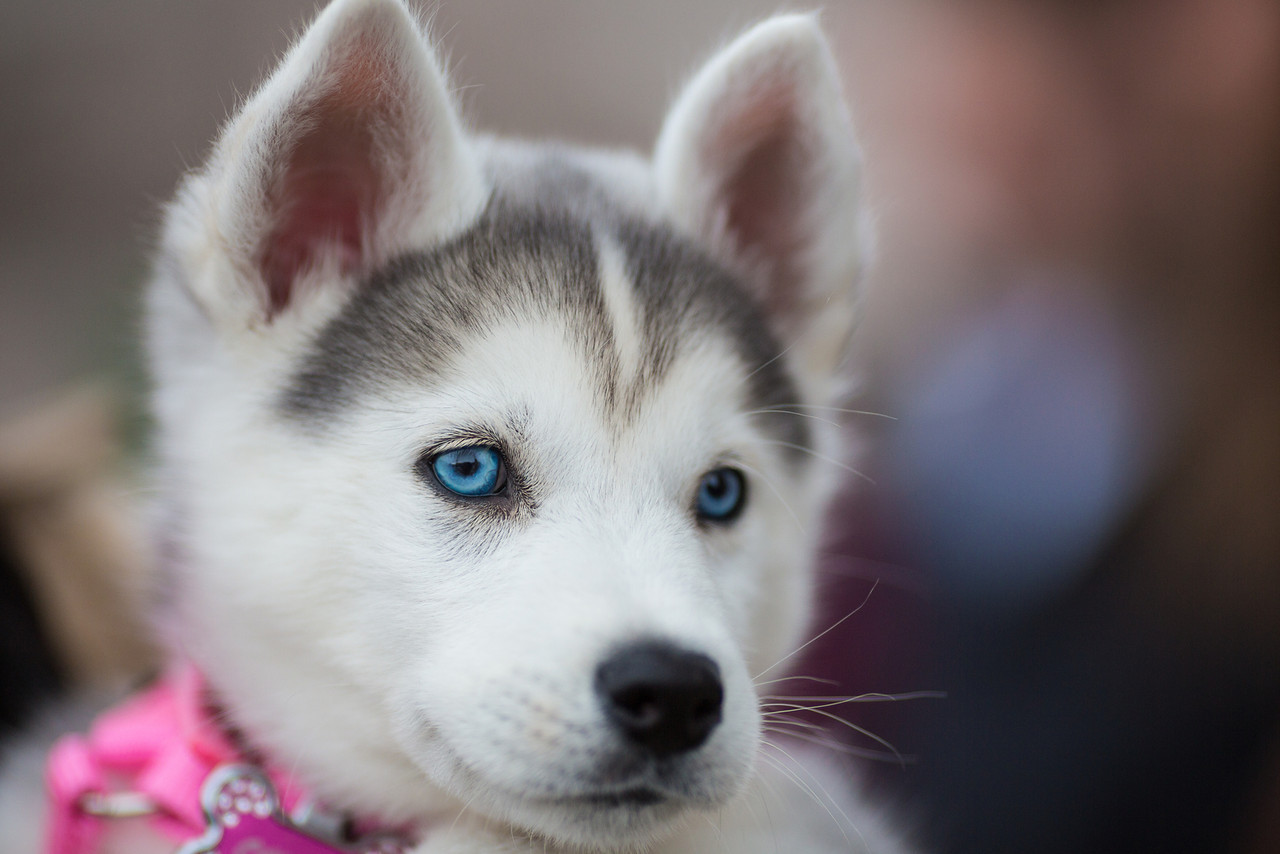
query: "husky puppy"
490, 470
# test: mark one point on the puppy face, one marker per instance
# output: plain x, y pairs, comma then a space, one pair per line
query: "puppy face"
489, 466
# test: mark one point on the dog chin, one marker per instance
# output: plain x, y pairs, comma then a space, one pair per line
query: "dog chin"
618, 816
629, 819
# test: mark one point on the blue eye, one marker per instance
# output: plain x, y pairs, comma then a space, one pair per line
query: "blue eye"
472, 472
721, 495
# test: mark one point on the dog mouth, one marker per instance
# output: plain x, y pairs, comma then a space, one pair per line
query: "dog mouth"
639, 796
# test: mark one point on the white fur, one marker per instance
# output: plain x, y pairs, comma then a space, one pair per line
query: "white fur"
620, 304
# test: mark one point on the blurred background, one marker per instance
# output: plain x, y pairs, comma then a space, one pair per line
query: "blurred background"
1073, 525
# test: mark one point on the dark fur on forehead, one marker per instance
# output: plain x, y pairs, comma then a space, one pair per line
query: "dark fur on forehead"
408, 321
533, 254
683, 291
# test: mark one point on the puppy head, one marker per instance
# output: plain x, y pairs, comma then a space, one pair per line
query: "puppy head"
493, 471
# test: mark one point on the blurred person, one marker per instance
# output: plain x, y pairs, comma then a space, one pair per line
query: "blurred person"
1075, 325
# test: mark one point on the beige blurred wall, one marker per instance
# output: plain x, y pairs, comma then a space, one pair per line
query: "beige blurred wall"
103, 104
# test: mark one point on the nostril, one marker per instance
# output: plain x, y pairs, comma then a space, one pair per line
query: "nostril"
708, 708
663, 699
638, 706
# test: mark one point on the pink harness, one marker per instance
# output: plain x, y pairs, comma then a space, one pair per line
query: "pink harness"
160, 756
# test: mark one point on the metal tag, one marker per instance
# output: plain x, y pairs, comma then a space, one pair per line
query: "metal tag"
245, 817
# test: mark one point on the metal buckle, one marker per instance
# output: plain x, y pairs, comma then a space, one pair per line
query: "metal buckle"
244, 814
117, 805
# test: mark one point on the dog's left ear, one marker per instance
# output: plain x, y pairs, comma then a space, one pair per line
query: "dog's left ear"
757, 159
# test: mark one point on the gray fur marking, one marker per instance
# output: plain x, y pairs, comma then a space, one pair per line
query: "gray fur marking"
528, 259
408, 321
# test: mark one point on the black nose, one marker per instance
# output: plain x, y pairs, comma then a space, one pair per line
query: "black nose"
663, 699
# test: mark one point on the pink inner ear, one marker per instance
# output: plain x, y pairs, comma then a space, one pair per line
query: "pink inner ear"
331, 188
327, 198
764, 190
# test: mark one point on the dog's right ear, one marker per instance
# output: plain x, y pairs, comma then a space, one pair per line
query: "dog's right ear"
351, 153
757, 160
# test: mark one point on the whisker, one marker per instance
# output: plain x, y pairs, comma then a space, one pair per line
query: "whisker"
819, 636
778, 719
837, 746
826, 459
862, 568
462, 811
793, 412
764, 801
715, 829
794, 777
827, 795
786, 406
851, 725
823, 680
784, 351
769, 483
870, 697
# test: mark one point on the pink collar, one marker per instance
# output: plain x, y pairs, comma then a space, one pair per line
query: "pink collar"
160, 755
